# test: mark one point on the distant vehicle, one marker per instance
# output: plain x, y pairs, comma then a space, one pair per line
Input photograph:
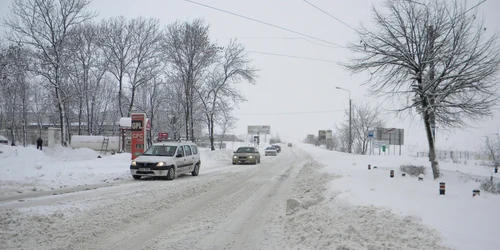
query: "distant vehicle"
3, 140
289, 144
167, 159
271, 151
278, 148
246, 155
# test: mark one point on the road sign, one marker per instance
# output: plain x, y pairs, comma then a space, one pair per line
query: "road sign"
329, 135
394, 136
370, 133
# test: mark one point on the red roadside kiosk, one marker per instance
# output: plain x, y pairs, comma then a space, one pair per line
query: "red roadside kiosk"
138, 125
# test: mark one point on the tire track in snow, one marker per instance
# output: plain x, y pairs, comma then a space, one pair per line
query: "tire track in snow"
240, 220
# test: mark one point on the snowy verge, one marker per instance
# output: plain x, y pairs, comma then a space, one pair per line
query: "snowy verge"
333, 223
464, 221
25, 170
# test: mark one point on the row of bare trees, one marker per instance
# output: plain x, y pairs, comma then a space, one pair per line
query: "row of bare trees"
60, 66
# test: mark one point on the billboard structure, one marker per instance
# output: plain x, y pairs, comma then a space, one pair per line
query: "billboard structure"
259, 129
322, 135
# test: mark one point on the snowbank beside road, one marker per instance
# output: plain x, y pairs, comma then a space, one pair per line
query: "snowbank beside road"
27, 170
465, 222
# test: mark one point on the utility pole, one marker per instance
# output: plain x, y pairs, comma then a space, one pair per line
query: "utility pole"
349, 150
350, 123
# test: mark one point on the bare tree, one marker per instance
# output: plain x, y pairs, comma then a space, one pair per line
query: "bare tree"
45, 25
363, 118
117, 42
491, 148
87, 71
146, 58
226, 123
175, 107
15, 87
40, 103
219, 90
437, 57
153, 97
189, 52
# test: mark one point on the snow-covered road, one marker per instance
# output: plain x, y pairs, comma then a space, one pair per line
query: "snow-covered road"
227, 207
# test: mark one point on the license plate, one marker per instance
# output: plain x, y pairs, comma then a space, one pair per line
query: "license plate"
144, 169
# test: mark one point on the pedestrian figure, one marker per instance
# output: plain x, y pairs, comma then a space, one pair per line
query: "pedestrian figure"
39, 143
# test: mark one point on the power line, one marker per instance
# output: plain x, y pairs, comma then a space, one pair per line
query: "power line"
332, 16
474, 6
265, 23
290, 56
295, 113
280, 38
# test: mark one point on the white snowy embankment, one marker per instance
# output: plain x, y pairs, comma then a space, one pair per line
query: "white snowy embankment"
463, 221
28, 170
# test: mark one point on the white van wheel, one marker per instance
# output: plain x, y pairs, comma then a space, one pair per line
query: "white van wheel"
171, 174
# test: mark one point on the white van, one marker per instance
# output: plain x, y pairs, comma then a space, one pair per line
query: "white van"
167, 159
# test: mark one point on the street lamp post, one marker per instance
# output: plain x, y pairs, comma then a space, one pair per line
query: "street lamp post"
350, 119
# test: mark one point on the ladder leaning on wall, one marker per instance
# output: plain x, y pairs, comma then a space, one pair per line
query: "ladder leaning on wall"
104, 145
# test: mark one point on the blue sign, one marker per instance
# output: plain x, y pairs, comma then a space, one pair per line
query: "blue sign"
370, 133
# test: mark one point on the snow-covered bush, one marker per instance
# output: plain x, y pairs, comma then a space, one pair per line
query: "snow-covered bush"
412, 170
491, 186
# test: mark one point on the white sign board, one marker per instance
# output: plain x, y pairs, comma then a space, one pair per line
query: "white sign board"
379, 144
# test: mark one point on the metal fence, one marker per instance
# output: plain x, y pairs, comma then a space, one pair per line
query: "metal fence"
455, 155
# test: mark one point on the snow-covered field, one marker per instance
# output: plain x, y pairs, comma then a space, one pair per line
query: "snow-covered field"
305, 198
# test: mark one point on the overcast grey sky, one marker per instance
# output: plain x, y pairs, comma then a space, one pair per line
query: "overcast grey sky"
287, 88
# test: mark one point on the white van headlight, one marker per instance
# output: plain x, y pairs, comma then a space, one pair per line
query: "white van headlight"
235, 157
133, 164
160, 164
250, 157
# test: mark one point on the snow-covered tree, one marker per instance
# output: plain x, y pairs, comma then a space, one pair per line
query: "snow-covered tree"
434, 55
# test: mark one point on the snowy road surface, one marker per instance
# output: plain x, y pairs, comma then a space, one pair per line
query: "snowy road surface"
228, 207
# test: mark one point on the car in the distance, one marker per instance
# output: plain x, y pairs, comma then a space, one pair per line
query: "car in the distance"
289, 144
246, 155
278, 147
167, 159
3, 140
271, 151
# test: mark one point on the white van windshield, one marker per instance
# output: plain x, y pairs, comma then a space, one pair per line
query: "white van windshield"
161, 150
